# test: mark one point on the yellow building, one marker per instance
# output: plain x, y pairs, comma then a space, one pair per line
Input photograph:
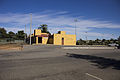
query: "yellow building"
61, 38
39, 37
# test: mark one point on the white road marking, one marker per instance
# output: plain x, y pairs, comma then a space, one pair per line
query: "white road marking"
93, 76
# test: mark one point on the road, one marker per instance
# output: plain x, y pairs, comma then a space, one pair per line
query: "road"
54, 63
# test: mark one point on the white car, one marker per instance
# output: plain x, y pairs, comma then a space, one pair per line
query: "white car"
114, 44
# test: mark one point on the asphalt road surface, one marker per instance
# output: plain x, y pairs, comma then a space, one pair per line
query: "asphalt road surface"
54, 63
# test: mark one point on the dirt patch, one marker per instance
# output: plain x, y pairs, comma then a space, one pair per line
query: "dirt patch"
11, 47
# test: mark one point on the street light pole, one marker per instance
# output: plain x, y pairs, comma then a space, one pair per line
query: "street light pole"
86, 36
103, 36
30, 26
113, 36
25, 33
75, 27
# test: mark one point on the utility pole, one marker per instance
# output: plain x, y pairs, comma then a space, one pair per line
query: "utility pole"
30, 26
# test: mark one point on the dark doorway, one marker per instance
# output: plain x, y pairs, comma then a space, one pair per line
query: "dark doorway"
33, 40
39, 39
62, 41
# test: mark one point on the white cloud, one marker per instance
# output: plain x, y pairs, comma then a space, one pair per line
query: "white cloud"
56, 21
81, 33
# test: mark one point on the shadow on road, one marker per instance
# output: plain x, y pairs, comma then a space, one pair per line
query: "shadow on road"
101, 62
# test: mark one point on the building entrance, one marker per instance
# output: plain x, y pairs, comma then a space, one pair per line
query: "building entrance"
39, 39
62, 41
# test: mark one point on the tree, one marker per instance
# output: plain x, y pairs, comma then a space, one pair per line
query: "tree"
111, 40
11, 34
107, 42
80, 42
90, 42
119, 40
43, 28
97, 41
3, 33
20, 35
103, 41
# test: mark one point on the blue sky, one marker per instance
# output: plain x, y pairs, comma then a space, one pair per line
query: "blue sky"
99, 18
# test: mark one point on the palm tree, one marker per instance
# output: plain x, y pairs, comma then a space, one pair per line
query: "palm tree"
44, 28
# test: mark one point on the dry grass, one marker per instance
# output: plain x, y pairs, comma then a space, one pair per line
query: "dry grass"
11, 46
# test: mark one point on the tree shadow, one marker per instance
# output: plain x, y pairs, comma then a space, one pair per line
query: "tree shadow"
101, 62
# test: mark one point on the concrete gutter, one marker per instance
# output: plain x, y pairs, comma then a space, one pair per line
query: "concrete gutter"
89, 47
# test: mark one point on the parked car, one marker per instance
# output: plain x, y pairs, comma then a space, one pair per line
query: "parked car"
113, 45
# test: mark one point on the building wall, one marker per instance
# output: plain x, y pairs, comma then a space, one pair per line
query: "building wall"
68, 39
44, 40
57, 39
36, 40
37, 32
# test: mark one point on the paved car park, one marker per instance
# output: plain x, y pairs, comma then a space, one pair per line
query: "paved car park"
48, 62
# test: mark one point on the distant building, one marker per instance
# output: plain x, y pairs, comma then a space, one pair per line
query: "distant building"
61, 38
